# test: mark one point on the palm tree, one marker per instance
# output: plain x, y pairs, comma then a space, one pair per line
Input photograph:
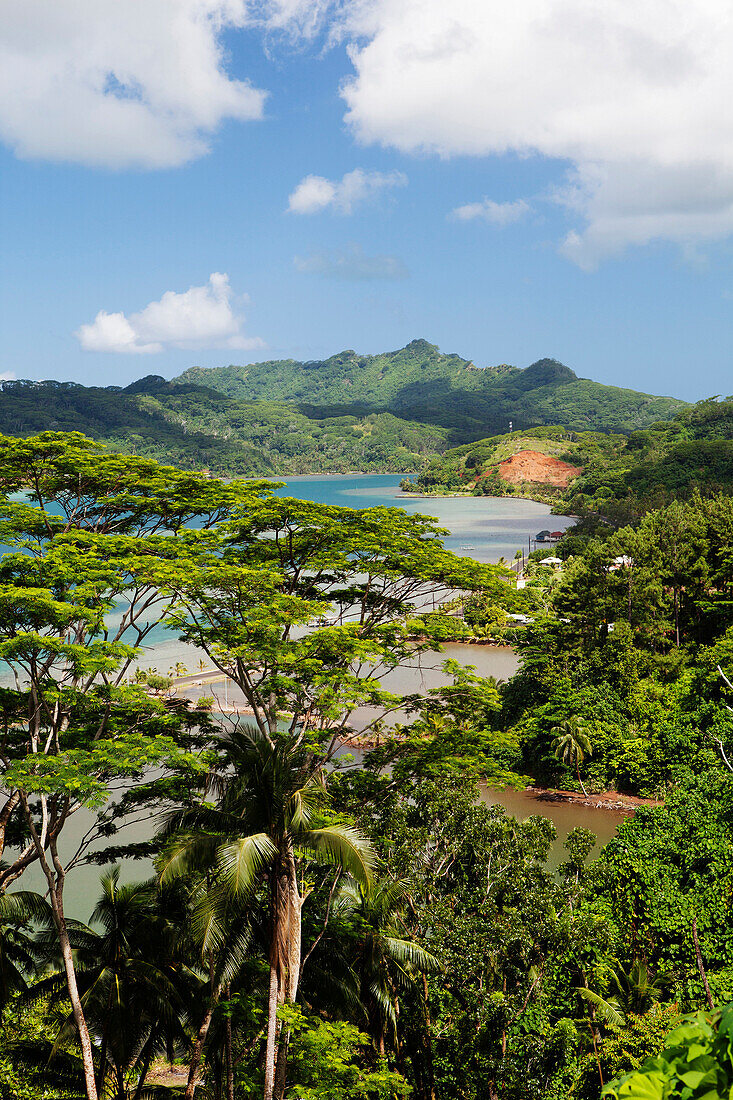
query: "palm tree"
635, 991
572, 744
134, 990
262, 829
386, 962
20, 914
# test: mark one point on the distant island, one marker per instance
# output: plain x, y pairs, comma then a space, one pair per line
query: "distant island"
388, 413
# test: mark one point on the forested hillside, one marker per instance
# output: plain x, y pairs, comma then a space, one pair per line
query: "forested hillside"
198, 428
421, 383
384, 413
621, 476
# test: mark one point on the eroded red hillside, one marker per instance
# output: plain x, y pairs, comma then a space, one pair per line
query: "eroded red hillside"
534, 466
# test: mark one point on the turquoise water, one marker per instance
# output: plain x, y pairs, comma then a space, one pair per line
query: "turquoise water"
494, 526
491, 527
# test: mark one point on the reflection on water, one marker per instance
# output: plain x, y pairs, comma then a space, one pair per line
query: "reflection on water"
564, 816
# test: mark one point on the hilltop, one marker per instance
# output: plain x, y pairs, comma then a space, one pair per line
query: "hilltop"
420, 383
385, 413
606, 474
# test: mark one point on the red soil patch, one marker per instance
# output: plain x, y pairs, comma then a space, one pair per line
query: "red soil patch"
533, 466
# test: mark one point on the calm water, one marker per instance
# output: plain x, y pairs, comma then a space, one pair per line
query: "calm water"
492, 528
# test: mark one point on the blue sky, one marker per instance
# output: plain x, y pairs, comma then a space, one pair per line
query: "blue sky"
611, 253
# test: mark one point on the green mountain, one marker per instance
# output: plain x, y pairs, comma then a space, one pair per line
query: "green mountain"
197, 428
382, 413
420, 383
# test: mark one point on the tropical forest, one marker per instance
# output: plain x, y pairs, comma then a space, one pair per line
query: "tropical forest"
310, 890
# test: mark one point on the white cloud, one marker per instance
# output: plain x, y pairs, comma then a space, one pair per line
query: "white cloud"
496, 213
8, 376
316, 193
200, 317
351, 264
635, 96
119, 83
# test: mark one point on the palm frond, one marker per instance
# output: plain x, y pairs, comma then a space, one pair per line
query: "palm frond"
411, 954
240, 861
344, 847
605, 1009
23, 906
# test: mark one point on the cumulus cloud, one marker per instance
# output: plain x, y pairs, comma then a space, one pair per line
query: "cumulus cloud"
200, 317
496, 213
351, 263
636, 97
8, 376
316, 193
136, 84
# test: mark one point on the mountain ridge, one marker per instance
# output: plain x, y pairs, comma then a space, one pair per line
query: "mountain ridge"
387, 413
420, 383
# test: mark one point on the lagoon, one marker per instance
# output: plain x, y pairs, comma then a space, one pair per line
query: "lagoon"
492, 528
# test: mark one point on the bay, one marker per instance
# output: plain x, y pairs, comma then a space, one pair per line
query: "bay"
484, 528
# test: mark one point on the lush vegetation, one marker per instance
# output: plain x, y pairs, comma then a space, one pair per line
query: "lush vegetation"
199, 429
388, 413
309, 924
623, 475
421, 383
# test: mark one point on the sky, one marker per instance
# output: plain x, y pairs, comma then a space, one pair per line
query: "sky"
204, 182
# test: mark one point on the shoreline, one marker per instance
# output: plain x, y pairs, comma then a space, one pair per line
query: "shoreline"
606, 800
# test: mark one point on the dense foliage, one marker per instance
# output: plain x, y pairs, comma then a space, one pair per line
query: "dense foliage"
312, 924
384, 413
197, 428
622, 477
421, 383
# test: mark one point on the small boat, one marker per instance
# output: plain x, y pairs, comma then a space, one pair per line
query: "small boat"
468, 548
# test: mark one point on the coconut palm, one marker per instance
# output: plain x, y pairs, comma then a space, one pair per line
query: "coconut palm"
20, 914
386, 961
572, 744
262, 828
134, 990
634, 993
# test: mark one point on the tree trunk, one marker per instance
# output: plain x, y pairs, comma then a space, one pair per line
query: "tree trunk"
103, 1050
85, 1043
428, 1042
293, 950
270, 1045
700, 967
198, 1046
577, 768
145, 1064
228, 1053
55, 878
